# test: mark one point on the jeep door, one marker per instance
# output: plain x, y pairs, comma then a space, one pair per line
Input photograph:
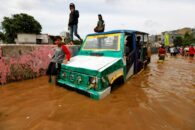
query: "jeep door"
129, 54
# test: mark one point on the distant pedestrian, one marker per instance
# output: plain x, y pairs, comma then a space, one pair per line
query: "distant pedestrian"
100, 25
181, 51
61, 55
162, 53
186, 50
191, 51
73, 23
168, 49
176, 51
171, 51
149, 54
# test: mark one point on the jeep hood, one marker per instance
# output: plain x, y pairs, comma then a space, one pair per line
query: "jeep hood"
95, 63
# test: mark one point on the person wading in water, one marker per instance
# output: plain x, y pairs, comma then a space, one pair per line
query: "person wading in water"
61, 55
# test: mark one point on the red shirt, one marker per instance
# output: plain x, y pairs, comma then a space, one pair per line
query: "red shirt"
191, 50
67, 52
161, 51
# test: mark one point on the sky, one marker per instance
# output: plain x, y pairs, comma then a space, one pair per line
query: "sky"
152, 16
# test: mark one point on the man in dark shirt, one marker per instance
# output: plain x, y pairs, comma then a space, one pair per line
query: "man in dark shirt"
73, 22
100, 25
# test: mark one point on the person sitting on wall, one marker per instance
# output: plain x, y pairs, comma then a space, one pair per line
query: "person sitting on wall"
61, 55
100, 25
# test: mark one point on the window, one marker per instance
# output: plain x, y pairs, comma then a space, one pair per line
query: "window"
103, 42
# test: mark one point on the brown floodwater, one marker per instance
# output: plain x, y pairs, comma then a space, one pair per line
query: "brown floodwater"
160, 98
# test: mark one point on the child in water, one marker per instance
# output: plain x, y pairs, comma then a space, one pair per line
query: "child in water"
61, 55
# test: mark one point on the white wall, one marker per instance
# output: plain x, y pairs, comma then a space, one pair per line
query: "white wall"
26, 38
31, 38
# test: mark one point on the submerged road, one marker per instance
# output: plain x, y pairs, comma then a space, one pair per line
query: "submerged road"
160, 98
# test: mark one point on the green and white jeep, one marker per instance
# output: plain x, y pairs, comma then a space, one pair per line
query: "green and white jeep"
104, 58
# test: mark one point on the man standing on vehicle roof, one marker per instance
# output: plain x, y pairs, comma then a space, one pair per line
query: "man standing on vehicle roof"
73, 22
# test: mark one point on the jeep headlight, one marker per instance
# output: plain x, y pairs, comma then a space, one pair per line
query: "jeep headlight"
64, 75
93, 82
79, 79
72, 77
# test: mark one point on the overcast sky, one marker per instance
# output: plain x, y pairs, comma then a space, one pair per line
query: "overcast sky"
152, 16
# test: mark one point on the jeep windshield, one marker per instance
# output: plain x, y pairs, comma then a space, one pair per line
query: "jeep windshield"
106, 42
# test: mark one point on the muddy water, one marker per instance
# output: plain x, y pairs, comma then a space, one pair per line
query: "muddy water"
160, 98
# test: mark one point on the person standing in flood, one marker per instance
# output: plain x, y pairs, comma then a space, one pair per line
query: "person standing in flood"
149, 53
73, 23
100, 25
191, 51
61, 55
171, 50
162, 53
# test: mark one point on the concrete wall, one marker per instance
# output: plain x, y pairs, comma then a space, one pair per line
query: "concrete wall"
19, 62
26, 38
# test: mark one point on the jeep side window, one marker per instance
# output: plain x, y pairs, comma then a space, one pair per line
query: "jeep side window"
138, 46
128, 45
129, 51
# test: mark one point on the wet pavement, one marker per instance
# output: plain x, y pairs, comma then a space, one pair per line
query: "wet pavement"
160, 98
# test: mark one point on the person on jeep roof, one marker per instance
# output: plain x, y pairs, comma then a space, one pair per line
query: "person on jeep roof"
73, 22
100, 25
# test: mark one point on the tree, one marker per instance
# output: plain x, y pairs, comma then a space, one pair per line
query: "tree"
19, 23
178, 41
187, 39
193, 37
2, 36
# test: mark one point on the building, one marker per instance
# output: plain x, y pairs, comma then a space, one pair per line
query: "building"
65, 37
155, 40
23, 38
169, 36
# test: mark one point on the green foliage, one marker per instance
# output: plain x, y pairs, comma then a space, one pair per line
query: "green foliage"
193, 38
187, 40
178, 41
2, 36
77, 42
19, 23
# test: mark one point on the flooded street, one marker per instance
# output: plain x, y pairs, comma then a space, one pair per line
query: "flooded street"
160, 98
